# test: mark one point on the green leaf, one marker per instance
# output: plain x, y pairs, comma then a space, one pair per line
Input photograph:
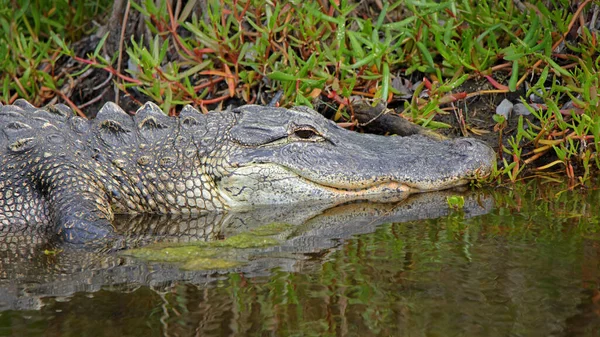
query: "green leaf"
400, 24
368, 59
99, 46
426, 54
281, 76
456, 201
557, 68
514, 76
385, 82
498, 118
357, 48
194, 70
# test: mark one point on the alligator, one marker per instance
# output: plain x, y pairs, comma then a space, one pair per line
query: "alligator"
73, 174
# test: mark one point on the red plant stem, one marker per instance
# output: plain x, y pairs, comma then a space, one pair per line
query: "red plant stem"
109, 69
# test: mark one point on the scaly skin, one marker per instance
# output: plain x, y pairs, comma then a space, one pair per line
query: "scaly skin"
75, 174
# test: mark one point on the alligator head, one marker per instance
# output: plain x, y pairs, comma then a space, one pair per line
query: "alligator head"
277, 155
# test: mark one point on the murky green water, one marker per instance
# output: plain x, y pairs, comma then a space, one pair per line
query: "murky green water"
520, 262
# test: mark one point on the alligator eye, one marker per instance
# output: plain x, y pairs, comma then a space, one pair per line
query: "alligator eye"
306, 134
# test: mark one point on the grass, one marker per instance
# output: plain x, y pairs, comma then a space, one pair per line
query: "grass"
336, 51
28, 56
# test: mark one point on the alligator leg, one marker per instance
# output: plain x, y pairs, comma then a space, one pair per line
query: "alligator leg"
59, 194
79, 208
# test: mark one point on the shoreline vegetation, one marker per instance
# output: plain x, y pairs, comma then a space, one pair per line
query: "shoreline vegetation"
521, 75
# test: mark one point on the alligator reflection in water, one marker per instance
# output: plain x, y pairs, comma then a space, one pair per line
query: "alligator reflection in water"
31, 272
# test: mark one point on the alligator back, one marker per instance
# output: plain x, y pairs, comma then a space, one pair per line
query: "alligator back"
60, 169
22, 123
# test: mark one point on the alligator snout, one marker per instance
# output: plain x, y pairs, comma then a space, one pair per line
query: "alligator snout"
466, 144
480, 156
472, 145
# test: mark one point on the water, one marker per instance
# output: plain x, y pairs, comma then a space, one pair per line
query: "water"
517, 261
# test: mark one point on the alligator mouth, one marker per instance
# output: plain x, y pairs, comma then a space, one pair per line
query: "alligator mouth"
262, 184
380, 188
387, 186
390, 184
357, 189
385, 191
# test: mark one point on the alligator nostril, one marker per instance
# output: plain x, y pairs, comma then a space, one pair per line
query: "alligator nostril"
465, 143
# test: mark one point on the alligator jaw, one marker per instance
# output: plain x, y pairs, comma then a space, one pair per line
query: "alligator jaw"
265, 184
